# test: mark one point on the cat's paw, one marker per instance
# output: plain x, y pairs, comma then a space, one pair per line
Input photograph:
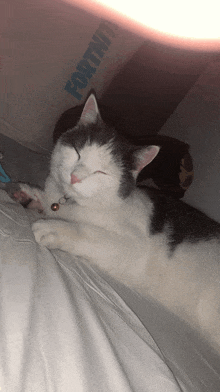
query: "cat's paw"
21, 197
14, 190
32, 194
27, 196
46, 233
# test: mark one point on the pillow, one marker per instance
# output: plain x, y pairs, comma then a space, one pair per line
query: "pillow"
171, 172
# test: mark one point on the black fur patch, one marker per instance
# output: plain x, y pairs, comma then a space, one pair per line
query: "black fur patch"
185, 223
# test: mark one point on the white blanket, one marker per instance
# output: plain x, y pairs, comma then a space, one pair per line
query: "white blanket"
64, 328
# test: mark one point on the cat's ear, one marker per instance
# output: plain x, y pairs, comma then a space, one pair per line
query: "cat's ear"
90, 111
143, 157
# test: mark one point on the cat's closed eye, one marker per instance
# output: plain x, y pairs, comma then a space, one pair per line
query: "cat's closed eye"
99, 171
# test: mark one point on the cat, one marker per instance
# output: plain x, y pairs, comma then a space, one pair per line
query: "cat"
159, 247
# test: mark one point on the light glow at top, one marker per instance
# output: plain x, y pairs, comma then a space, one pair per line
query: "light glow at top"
189, 18
191, 23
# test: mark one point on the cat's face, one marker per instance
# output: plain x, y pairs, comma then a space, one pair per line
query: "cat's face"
91, 161
87, 172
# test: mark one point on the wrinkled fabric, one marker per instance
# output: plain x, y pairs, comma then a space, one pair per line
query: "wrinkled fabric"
63, 327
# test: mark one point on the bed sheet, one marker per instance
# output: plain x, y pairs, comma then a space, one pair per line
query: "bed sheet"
63, 328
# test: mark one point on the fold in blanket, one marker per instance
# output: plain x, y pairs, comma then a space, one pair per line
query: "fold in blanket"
63, 328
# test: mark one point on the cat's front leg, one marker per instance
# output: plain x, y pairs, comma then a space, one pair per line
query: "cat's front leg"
56, 234
115, 254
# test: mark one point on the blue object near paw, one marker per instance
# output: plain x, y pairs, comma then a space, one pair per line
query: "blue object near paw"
4, 177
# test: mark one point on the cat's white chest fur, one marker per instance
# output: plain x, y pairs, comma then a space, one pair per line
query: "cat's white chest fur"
115, 214
120, 217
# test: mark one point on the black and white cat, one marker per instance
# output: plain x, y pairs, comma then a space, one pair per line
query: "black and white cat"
159, 247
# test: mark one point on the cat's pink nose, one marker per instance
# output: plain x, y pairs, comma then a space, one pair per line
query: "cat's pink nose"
74, 179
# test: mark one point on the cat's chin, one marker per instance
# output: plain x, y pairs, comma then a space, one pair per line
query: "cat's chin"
74, 196
80, 192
